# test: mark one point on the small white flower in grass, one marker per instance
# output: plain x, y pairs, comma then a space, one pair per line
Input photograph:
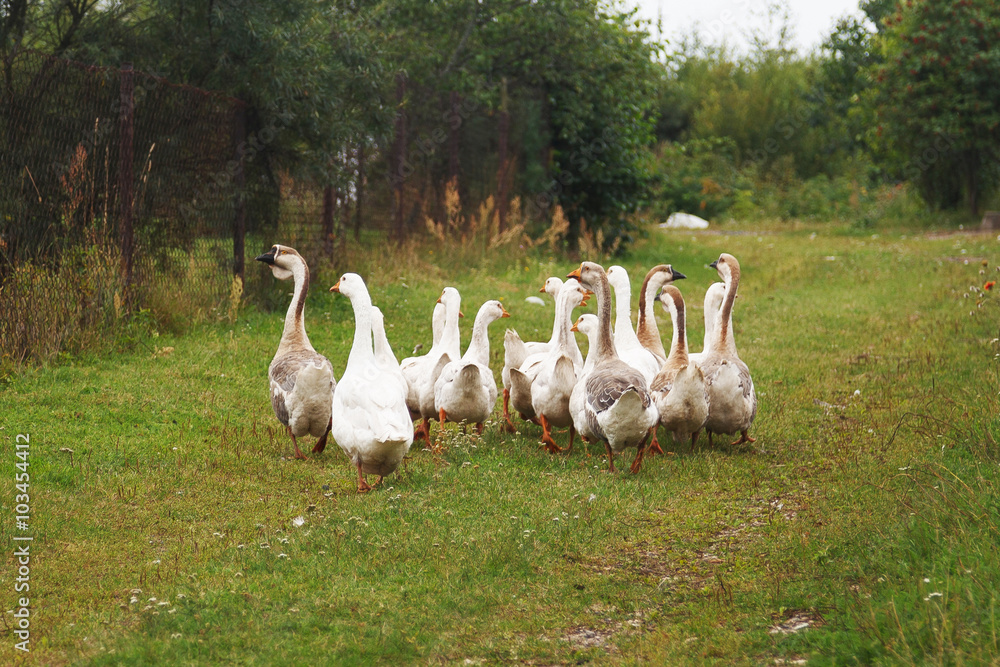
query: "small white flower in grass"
241, 546
133, 600
282, 555
592, 497
136, 591
298, 521
176, 635
926, 580
181, 596
162, 603
933, 595
151, 600
156, 562
284, 540
171, 611
265, 546
217, 535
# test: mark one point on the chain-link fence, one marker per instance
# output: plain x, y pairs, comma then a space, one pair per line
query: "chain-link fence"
121, 193
100, 175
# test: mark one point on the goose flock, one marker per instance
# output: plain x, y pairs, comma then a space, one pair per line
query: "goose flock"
627, 386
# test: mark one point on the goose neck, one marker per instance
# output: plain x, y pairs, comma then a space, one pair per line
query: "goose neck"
361, 348
678, 340
479, 346
723, 325
294, 332
605, 343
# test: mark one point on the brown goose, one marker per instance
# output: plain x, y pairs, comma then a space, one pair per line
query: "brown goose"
302, 382
617, 405
732, 401
679, 388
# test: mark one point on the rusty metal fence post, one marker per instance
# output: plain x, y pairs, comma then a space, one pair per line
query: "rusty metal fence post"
126, 176
240, 208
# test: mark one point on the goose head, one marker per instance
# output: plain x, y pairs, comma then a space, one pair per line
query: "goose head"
575, 294
618, 279
590, 275
585, 324
450, 298
663, 274
671, 299
552, 286
727, 266
491, 311
350, 285
282, 260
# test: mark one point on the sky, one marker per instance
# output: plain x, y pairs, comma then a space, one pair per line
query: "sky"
728, 20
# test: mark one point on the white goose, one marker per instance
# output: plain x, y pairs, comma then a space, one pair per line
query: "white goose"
516, 351
448, 350
732, 401
627, 344
617, 404
370, 420
301, 379
466, 389
714, 296
411, 366
542, 385
646, 329
679, 389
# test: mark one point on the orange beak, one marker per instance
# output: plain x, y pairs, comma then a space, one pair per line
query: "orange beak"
504, 312
576, 273
542, 291
336, 288
573, 328
461, 314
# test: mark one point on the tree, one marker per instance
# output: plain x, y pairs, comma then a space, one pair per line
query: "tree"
936, 99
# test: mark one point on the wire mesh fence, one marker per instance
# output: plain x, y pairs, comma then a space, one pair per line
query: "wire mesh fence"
122, 193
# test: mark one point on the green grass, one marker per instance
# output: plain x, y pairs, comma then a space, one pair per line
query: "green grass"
875, 468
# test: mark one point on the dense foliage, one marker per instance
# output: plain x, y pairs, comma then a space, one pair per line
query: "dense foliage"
937, 100
898, 95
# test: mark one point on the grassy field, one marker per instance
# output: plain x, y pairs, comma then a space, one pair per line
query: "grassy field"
171, 525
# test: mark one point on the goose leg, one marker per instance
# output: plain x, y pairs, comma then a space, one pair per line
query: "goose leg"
744, 437
298, 452
572, 432
508, 425
654, 446
321, 443
437, 443
611, 456
710, 445
547, 440
362, 484
694, 438
637, 463
479, 428
423, 431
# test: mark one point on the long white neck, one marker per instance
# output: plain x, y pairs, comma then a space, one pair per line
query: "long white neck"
623, 312
361, 349
450, 337
294, 333
437, 323
383, 351
592, 342
562, 337
479, 347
